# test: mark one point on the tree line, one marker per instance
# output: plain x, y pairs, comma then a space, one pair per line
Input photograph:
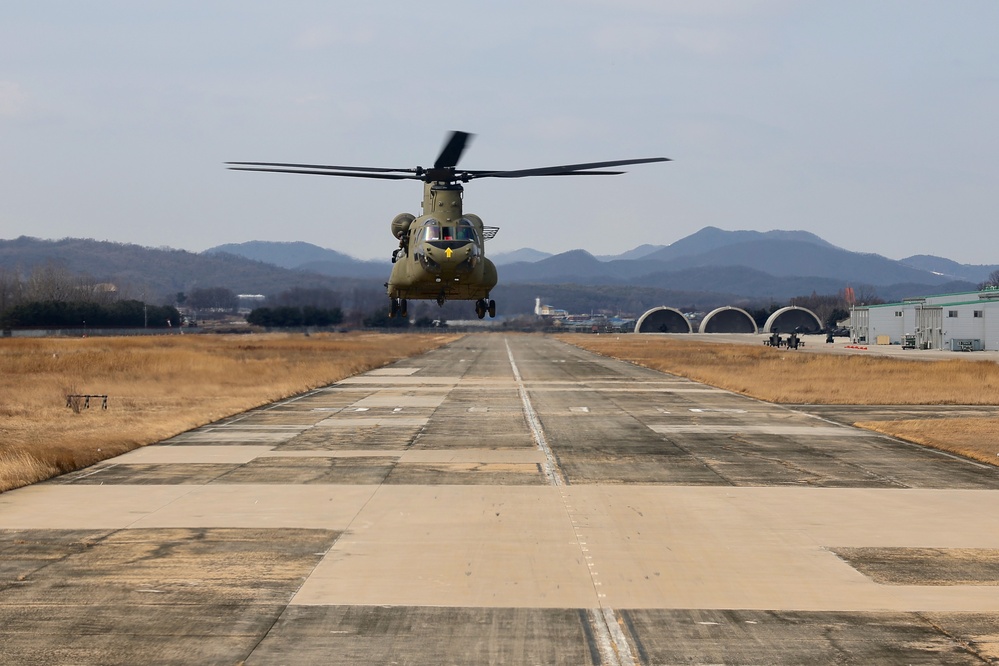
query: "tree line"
80, 314
287, 316
51, 296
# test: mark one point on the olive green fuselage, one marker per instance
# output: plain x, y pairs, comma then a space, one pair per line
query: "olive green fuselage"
441, 254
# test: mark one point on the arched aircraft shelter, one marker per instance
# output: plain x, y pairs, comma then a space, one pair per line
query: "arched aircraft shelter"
728, 319
663, 320
793, 319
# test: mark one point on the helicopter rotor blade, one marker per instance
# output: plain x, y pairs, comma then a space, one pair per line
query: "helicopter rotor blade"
317, 172
581, 173
452, 150
584, 169
470, 175
324, 167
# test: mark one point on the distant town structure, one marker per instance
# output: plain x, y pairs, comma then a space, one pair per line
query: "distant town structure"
548, 311
588, 323
966, 321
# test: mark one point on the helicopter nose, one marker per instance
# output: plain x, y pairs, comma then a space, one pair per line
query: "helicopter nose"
448, 250
450, 257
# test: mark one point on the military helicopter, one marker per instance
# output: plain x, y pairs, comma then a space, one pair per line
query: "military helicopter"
441, 253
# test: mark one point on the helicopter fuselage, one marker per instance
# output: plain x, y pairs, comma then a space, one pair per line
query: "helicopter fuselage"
441, 254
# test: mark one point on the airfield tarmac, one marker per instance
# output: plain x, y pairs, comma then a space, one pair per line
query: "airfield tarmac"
509, 499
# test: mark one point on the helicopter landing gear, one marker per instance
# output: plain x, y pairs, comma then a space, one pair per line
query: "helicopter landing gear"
397, 307
441, 299
481, 308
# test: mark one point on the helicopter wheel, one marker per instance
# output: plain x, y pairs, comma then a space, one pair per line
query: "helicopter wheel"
492, 309
393, 308
480, 308
403, 311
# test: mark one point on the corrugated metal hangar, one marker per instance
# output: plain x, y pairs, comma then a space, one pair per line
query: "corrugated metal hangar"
961, 322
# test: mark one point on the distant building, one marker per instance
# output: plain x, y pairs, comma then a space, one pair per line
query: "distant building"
960, 322
248, 302
548, 311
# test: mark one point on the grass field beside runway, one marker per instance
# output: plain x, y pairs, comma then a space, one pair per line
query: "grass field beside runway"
787, 377
158, 386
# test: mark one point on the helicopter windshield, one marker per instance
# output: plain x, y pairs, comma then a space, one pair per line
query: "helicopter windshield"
463, 231
431, 231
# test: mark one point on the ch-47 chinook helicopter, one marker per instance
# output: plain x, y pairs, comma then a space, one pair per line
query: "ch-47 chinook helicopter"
441, 253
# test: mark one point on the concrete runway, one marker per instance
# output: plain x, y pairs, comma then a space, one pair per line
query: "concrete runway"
509, 499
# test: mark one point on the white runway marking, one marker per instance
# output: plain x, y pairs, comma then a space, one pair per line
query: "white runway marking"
612, 644
552, 471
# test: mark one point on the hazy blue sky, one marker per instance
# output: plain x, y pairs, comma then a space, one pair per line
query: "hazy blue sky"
872, 124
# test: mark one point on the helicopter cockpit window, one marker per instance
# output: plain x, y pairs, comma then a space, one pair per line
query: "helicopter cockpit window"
431, 231
464, 230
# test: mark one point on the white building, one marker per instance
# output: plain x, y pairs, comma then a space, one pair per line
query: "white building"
960, 322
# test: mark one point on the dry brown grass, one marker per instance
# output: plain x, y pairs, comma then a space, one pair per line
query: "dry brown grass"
976, 437
158, 387
789, 377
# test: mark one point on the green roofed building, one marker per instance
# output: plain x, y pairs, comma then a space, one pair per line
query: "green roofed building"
960, 322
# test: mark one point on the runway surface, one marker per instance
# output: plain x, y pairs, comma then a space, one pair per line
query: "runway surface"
509, 499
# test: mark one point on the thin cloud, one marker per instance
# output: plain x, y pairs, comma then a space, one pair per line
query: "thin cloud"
706, 9
13, 100
320, 37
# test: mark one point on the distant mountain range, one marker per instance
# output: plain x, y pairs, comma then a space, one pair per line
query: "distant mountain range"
710, 267
302, 256
750, 264
157, 274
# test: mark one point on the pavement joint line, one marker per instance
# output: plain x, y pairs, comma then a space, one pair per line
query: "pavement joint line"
96, 471
248, 414
873, 433
794, 410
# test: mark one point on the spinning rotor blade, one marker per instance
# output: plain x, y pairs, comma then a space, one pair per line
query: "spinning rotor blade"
317, 172
444, 170
452, 150
322, 166
585, 169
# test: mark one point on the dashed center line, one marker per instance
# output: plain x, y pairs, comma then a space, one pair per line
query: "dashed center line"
610, 639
